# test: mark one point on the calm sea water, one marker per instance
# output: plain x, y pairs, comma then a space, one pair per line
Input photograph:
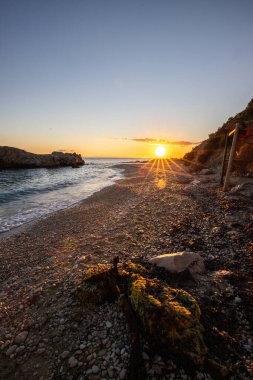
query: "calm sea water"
28, 194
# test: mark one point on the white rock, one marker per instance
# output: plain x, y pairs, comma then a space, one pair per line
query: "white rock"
21, 337
108, 324
180, 261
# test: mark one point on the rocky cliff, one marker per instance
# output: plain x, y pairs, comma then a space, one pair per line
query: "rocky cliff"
210, 152
18, 158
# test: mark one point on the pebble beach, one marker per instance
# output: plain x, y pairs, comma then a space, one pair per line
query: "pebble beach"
46, 334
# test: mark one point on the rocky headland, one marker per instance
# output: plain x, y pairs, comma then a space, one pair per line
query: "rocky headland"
14, 158
209, 153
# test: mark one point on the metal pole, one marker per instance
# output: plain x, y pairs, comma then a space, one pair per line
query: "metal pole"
224, 160
231, 157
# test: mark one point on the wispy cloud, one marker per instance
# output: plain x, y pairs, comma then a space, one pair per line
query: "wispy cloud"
149, 140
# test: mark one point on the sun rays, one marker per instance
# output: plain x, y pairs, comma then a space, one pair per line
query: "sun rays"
162, 169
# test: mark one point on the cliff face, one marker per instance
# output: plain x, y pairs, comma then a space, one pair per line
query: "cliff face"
210, 152
18, 158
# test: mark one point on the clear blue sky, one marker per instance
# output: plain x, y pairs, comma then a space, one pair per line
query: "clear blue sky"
82, 74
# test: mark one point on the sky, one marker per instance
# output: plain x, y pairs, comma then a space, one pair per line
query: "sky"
108, 78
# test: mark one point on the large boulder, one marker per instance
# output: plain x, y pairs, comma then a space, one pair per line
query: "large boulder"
180, 261
170, 317
13, 158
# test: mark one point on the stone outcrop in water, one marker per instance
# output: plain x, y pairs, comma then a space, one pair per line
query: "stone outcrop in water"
13, 158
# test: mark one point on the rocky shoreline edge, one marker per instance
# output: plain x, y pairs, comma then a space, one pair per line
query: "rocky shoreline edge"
14, 158
46, 334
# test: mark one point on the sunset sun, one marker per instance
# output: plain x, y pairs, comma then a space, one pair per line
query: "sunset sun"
160, 151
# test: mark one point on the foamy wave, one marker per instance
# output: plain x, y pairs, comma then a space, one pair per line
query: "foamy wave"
31, 214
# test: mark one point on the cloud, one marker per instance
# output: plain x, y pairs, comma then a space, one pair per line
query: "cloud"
149, 140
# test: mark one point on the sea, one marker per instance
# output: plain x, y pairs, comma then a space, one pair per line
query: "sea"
29, 194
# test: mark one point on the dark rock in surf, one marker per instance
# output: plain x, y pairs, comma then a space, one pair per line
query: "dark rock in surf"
14, 158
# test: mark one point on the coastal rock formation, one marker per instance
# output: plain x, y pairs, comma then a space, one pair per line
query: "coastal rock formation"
170, 317
14, 158
210, 152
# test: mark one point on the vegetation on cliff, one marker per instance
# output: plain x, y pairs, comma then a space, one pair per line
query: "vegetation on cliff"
210, 152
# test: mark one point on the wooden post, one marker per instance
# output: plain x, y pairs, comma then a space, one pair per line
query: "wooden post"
231, 157
224, 160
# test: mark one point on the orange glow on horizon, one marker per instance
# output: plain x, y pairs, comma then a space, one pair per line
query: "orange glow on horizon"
99, 147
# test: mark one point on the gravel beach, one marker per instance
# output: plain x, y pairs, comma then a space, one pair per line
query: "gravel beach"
46, 334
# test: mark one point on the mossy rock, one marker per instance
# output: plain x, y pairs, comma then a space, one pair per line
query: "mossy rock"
170, 316
95, 288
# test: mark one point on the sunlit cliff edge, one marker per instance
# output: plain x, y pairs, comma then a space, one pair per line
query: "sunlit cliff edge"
209, 153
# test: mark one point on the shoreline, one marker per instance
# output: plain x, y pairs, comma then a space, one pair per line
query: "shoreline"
25, 226
139, 217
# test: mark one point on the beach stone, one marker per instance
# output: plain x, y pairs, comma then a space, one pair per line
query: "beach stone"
157, 369
102, 352
234, 234
90, 358
11, 350
122, 374
216, 230
81, 259
110, 372
95, 369
21, 337
40, 351
206, 171
19, 349
65, 354
180, 261
245, 189
145, 356
72, 362
108, 324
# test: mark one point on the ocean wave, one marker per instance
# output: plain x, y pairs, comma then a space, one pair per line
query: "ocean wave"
33, 200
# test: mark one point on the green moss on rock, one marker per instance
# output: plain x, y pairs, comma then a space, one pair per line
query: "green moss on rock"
170, 316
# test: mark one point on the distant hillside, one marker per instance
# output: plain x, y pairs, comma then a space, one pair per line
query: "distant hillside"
210, 152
